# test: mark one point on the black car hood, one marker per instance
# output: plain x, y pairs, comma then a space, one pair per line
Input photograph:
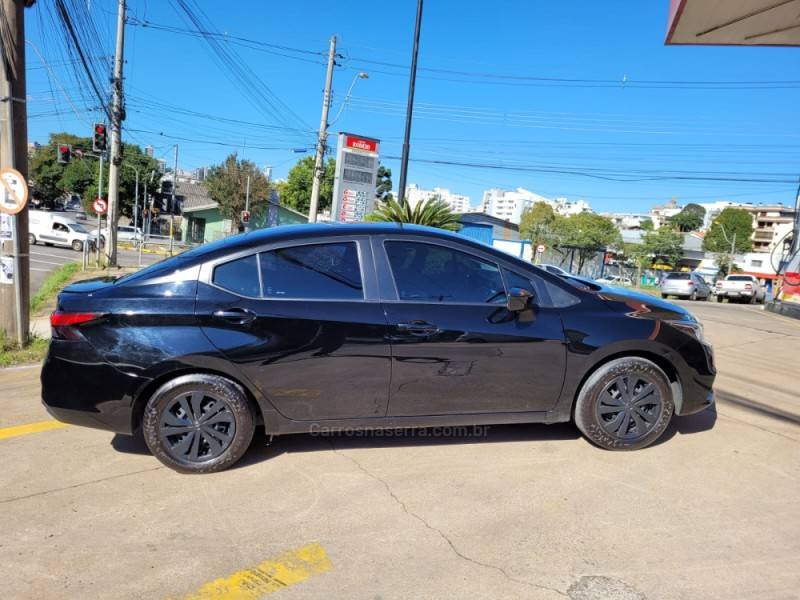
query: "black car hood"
642, 305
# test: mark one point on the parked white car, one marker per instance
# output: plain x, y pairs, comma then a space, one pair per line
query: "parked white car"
740, 288
554, 270
615, 280
57, 229
125, 233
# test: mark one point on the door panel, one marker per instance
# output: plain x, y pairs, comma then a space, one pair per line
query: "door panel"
311, 360
322, 356
478, 359
456, 348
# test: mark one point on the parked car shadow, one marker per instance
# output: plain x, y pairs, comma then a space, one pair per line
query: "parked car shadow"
530, 433
696, 423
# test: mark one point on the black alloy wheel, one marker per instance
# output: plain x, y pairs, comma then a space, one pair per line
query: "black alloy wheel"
198, 423
625, 404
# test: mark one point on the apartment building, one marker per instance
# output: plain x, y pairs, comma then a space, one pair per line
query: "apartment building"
457, 202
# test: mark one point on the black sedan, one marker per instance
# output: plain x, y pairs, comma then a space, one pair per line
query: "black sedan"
326, 327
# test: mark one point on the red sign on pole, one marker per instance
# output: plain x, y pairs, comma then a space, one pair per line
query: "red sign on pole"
358, 143
100, 206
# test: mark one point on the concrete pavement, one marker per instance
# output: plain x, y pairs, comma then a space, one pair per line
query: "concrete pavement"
528, 511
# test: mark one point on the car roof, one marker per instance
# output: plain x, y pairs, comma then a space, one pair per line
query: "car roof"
305, 231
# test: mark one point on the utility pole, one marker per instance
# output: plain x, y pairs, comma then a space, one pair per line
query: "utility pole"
172, 204
14, 299
247, 204
117, 115
412, 80
323, 135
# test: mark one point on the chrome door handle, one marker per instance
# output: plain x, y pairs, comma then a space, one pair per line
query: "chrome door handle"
237, 316
418, 328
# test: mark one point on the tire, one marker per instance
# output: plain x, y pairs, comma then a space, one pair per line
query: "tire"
665, 296
189, 449
77, 245
720, 299
595, 413
693, 297
31, 239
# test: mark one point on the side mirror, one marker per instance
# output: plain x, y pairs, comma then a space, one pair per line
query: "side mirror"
518, 299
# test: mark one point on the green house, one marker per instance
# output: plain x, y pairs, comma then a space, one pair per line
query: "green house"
203, 222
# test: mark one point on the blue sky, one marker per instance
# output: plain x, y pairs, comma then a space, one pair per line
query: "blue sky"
476, 100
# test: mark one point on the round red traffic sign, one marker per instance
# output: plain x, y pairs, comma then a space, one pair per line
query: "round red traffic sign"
100, 206
540, 248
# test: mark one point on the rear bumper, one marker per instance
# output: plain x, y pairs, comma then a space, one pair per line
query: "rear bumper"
80, 388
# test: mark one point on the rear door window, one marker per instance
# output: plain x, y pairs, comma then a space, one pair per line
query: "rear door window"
315, 272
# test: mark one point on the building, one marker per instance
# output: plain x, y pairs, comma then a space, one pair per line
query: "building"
148, 150
457, 202
495, 232
203, 222
627, 221
772, 226
661, 214
509, 205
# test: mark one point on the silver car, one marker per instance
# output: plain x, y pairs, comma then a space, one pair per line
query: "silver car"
685, 285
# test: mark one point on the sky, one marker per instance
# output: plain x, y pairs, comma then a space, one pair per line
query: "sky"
550, 96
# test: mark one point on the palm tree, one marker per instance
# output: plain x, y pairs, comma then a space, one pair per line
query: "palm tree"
433, 212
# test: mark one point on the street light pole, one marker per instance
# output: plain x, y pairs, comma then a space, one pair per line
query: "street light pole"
401, 192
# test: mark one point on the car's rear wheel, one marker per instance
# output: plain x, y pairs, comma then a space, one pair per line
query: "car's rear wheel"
77, 245
665, 296
693, 296
31, 239
625, 405
198, 423
720, 299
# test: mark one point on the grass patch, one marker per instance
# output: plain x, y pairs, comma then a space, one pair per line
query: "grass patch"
54, 283
12, 354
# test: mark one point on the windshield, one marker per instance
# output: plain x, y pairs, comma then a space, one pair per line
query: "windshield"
77, 227
740, 278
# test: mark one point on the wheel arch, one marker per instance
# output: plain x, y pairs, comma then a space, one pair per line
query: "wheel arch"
143, 395
659, 360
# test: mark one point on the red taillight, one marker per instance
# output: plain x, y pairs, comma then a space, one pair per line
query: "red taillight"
67, 319
691, 283
748, 286
719, 284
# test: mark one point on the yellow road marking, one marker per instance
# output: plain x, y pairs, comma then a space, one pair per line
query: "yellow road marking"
17, 430
274, 574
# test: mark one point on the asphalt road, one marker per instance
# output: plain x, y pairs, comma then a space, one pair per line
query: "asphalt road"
525, 511
45, 259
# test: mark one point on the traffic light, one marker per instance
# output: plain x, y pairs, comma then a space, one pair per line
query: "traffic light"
64, 153
99, 139
245, 216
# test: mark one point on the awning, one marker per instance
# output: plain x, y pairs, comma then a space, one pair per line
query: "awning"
734, 22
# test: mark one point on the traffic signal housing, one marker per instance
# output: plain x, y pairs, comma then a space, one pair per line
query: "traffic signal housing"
99, 139
64, 153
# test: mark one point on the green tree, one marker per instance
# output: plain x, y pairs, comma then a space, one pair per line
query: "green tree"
729, 223
690, 218
383, 189
663, 246
50, 179
587, 233
295, 192
537, 223
227, 186
647, 225
433, 213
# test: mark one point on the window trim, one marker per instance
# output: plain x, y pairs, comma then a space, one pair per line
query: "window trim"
398, 300
208, 268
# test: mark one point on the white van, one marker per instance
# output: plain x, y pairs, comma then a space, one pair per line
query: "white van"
57, 230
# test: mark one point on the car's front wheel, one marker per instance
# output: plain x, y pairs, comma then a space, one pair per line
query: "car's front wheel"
198, 423
625, 405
